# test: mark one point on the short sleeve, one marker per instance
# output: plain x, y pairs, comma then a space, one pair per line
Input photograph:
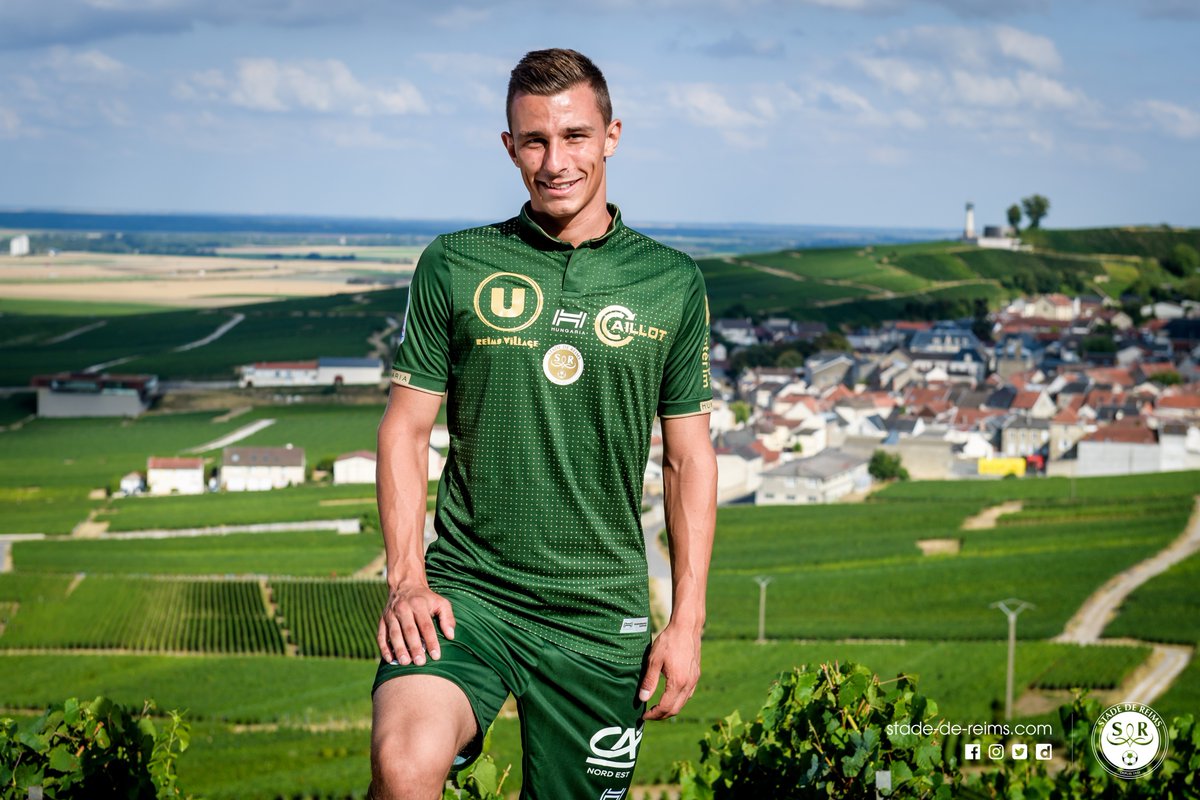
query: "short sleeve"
687, 384
423, 355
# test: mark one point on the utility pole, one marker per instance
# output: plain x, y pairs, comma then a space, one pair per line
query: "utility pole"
762, 581
1012, 607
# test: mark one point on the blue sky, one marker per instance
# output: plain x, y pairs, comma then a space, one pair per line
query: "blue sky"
829, 112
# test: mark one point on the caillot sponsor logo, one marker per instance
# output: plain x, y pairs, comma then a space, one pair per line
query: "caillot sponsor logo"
617, 326
508, 301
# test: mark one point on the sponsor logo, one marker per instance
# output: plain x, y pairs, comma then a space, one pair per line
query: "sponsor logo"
615, 326
569, 321
402, 378
510, 341
635, 625
706, 405
508, 301
615, 747
562, 364
1129, 740
705, 371
972, 752
612, 794
1043, 752
1020, 751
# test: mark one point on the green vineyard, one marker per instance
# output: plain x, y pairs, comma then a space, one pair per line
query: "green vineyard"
335, 618
144, 614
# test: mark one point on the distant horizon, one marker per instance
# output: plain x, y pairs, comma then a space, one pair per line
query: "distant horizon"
13, 209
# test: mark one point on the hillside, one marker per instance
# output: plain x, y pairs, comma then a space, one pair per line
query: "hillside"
853, 286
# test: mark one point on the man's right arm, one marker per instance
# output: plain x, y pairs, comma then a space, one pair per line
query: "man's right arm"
406, 628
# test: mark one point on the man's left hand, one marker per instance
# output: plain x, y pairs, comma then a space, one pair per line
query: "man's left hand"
675, 654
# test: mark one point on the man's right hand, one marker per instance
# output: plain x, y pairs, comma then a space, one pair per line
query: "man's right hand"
406, 628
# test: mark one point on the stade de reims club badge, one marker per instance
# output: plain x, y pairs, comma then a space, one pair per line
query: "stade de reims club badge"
1130, 740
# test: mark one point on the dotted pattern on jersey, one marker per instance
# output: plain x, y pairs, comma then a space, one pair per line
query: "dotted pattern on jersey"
539, 509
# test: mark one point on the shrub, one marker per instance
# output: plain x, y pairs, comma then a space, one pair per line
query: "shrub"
823, 732
92, 749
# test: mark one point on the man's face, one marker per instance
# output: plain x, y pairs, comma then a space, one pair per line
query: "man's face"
559, 143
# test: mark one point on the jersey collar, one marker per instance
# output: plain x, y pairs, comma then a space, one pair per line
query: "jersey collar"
536, 236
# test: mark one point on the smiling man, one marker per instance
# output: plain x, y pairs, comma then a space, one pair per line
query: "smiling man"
555, 338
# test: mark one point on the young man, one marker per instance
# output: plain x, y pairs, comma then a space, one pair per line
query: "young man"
556, 337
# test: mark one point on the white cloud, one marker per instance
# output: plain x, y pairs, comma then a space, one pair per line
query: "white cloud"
989, 47
321, 86
1038, 52
899, 75
705, 105
461, 17
10, 123
1176, 120
87, 66
887, 155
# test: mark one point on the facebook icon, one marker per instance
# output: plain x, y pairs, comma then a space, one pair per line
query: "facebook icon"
971, 752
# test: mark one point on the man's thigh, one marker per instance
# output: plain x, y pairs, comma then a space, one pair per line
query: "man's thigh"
581, 725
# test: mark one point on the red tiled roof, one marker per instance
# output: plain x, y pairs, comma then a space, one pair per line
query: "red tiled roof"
1183, 402
1115, 375
1066, 417
356, 454
285, 364
1131, 430
769, 456
158, 462
1025, 400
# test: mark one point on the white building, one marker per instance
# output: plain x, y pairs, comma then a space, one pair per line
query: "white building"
18, 245
255, 469
324, 371
132, 483
823, 478
175, 475
356, 467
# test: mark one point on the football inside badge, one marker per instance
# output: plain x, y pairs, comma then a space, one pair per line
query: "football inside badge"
562, 364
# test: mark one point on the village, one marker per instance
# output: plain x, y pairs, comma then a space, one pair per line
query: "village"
1036, 402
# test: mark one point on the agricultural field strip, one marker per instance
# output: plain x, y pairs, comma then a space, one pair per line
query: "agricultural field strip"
344, 525
243, 432
221, 330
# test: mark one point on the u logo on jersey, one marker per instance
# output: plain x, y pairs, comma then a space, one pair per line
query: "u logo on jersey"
502, 301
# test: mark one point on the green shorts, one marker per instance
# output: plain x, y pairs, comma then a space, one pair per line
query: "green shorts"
581, 720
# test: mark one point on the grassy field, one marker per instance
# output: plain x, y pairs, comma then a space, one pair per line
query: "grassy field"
306, 553
964, 678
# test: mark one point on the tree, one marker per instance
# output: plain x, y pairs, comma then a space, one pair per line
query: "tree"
1014, 216
741, 411
1183, 261
885, 467
1036, 208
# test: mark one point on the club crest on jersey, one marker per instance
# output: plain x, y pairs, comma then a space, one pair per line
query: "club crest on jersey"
508, 301
562, 364
615, 326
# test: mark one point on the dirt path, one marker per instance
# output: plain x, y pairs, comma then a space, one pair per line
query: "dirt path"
116, 362
1150, 680
236, 436
1098, 610
77, 332
212, 337
379, 340
987, 518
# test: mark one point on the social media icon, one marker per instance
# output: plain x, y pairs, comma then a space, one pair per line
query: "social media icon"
1043, 752
1020, 751
995, 752
972, 752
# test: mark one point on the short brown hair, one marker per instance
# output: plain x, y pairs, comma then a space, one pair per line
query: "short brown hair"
548, 72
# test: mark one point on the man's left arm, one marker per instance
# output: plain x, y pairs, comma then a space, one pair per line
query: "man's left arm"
690, 503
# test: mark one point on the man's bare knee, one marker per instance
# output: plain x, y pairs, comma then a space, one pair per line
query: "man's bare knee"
421, 722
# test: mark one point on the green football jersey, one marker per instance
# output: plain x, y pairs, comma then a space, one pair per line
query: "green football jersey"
555, 360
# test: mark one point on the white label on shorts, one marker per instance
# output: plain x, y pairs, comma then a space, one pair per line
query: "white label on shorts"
634, 625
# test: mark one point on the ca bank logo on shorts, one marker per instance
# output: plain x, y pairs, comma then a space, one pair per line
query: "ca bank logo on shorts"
1130, 740
615, 747
508, 301
616, 327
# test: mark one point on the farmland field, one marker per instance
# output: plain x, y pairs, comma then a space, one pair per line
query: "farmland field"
306, 553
